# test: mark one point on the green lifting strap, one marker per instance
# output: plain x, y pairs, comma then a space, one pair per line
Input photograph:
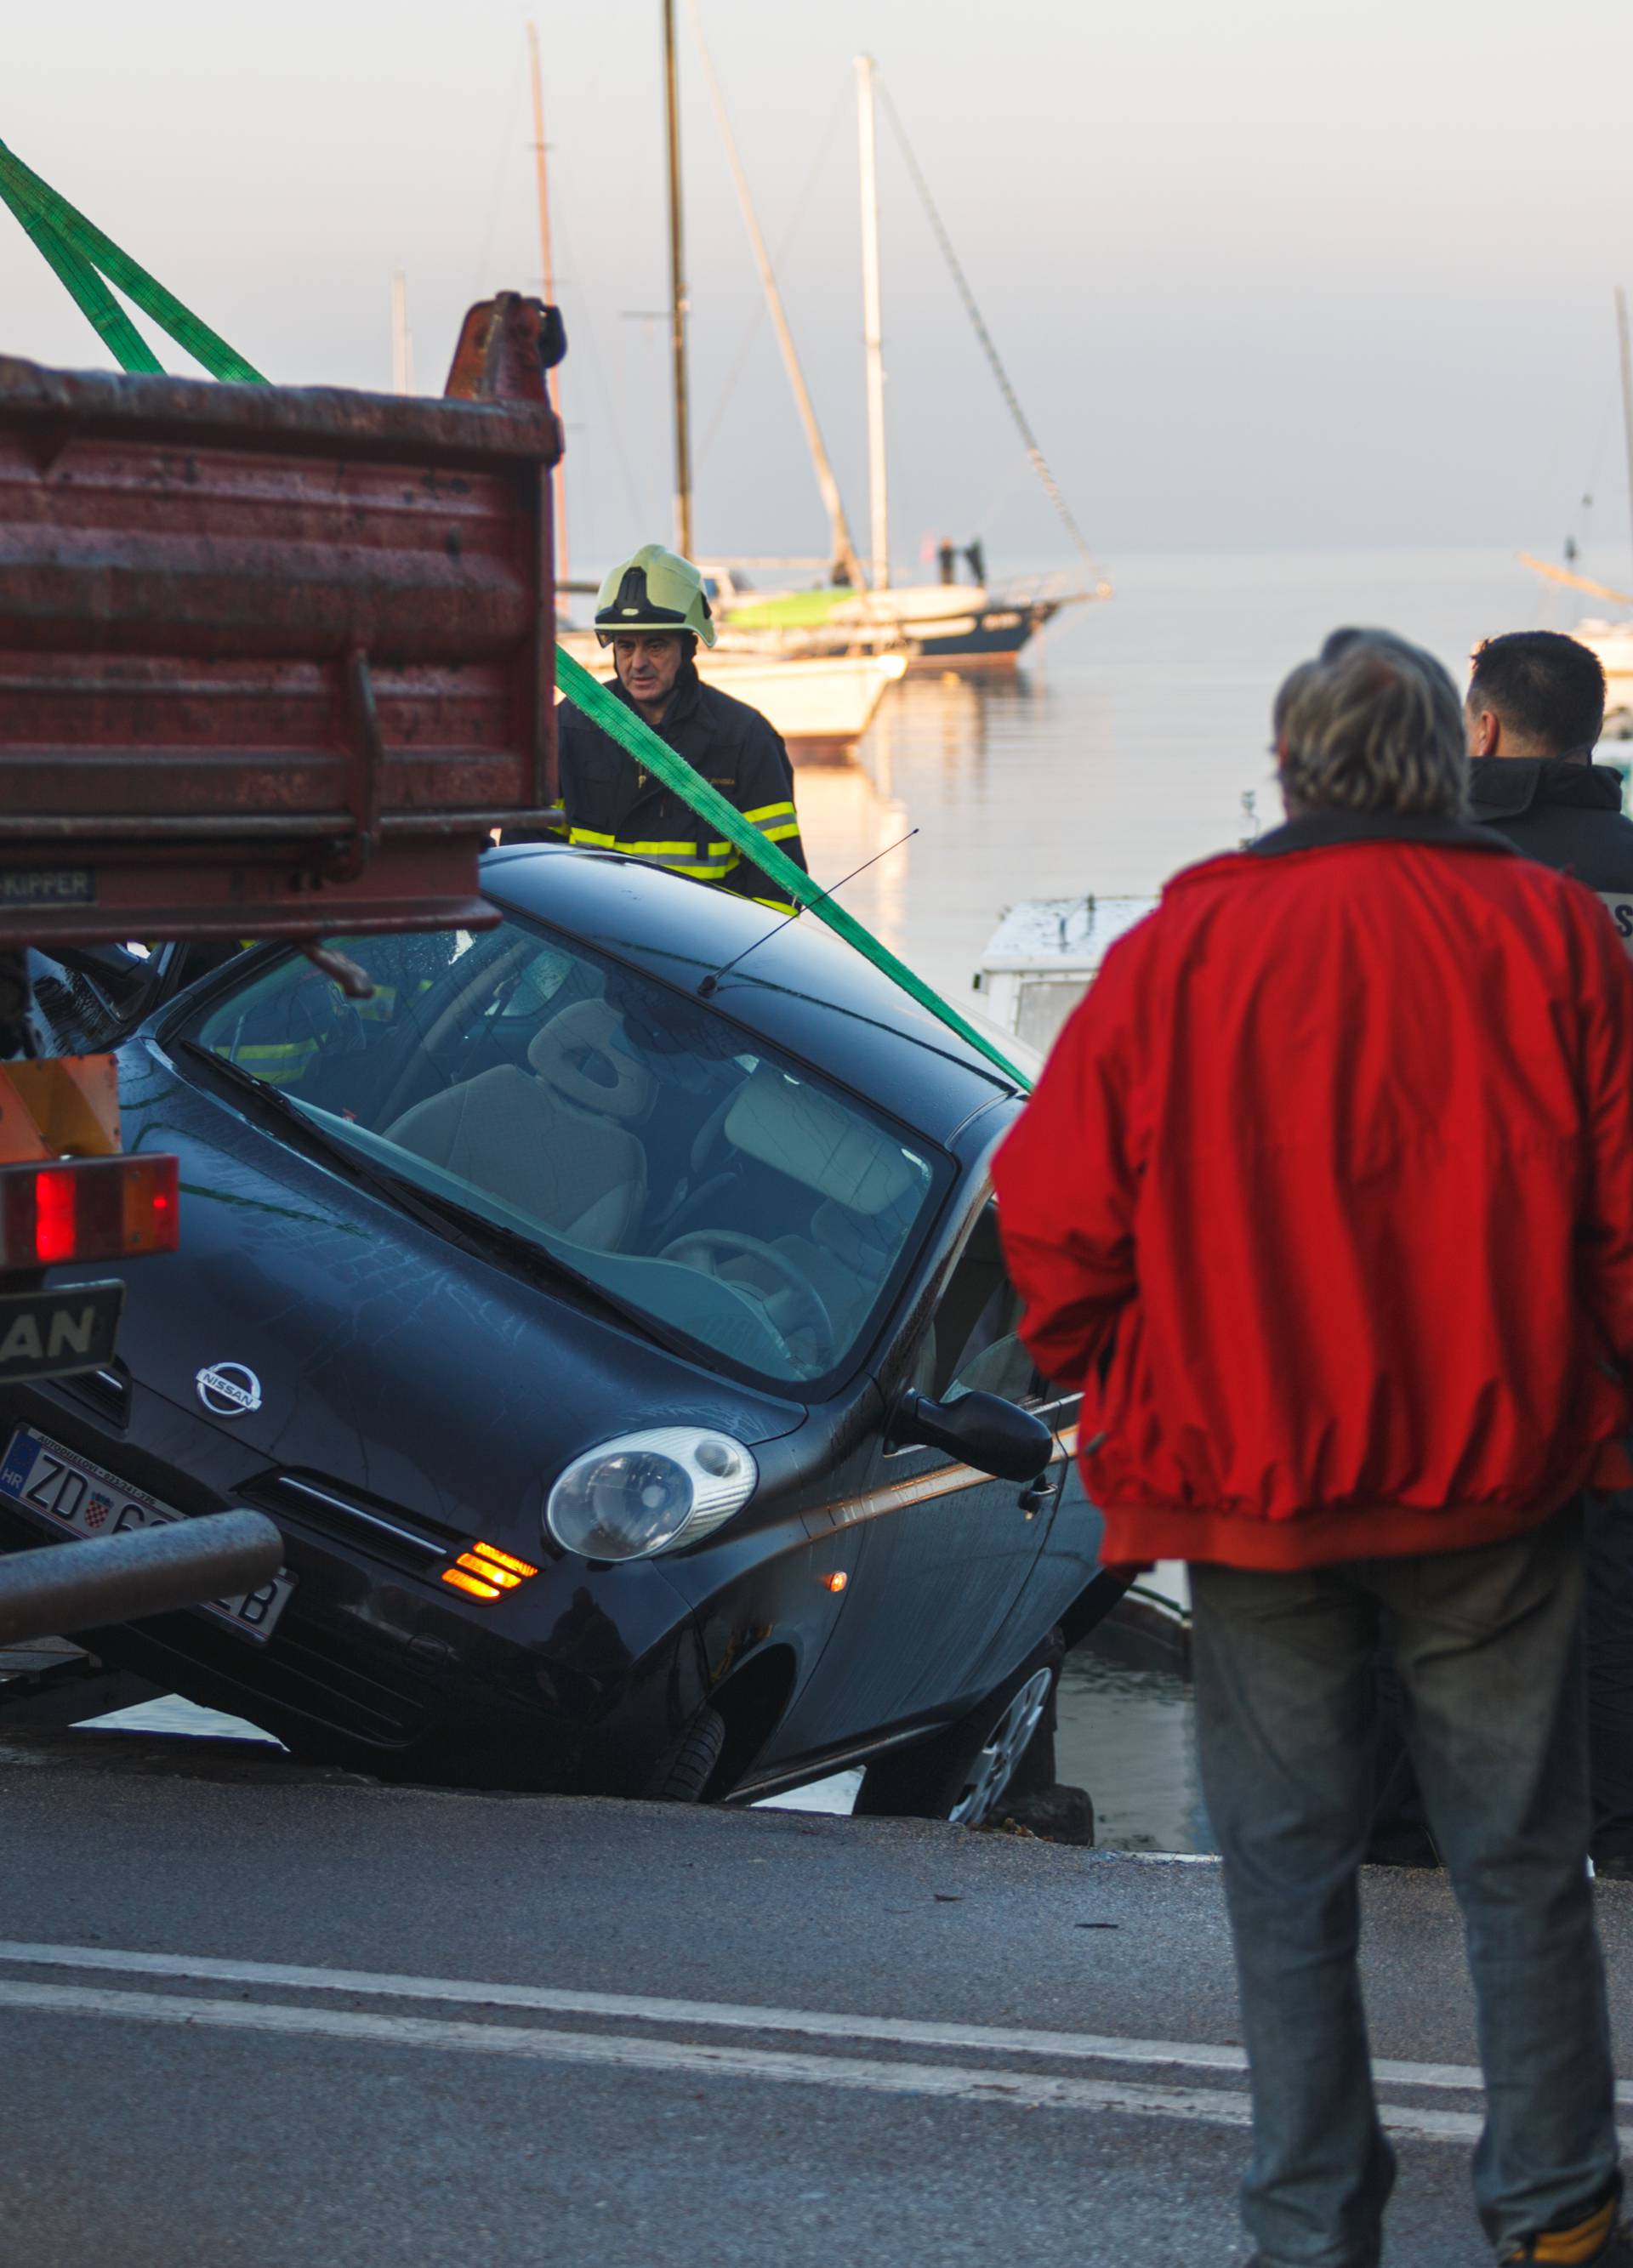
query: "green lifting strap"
82, 255
620, 723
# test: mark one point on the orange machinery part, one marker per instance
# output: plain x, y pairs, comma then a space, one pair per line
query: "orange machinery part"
65, 1107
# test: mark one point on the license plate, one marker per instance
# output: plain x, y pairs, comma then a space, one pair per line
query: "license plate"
67, 1491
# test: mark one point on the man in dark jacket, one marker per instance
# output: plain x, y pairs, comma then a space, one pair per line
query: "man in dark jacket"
1536, 709
651, 611
1294, 1124
1534, 712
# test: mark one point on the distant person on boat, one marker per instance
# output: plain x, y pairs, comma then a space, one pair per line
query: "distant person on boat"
1329, 1217
947, 558
975, 553
651, 611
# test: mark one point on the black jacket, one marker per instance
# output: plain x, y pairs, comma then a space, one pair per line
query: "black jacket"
1563, 814
610, 803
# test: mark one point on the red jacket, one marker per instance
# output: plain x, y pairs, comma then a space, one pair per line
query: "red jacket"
1325, 1199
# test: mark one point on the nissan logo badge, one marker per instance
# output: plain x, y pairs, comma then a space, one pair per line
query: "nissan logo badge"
227, 1389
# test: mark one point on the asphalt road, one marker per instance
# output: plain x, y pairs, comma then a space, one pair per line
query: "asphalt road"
255, 2014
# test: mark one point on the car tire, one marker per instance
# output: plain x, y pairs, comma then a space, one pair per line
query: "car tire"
965, 1774
687, 1770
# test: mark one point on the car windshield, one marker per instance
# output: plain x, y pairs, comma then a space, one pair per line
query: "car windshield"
728, 1195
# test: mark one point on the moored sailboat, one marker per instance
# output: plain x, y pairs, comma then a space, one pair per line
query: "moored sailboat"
822, 702
942, 625
1611, 640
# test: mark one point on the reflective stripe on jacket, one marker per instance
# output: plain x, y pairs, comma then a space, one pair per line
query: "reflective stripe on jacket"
1324, 1200
610, 804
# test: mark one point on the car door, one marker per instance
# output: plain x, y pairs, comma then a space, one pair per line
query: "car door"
946, 1552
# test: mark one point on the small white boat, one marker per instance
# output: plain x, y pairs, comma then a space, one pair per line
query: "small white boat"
821, 707
1613, 643
1043, 955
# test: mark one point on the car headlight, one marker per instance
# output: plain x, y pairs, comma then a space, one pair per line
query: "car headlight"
649, 1492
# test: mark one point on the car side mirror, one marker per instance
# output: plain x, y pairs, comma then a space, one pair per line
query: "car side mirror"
981, 1428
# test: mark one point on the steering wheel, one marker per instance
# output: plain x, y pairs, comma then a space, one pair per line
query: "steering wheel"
810, 1312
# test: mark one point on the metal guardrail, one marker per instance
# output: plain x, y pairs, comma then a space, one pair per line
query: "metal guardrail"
147, 1571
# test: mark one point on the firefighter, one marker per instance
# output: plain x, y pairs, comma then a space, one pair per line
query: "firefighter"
651, 611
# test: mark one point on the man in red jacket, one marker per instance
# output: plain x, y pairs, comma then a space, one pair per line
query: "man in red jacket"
1325, 1200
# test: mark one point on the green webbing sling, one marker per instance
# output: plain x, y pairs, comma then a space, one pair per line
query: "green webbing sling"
620, 723
82, 256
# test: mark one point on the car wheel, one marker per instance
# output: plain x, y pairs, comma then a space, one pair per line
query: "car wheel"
965, 1774
686, 1773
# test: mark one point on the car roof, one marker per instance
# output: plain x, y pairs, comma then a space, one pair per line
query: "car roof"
799, 987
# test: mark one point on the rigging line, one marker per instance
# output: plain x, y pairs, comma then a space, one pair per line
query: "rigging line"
508, 144
1039, 462
751, 334
847, 563
581, 316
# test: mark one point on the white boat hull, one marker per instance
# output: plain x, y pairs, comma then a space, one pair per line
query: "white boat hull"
1613, 643
820, 707
1044, 956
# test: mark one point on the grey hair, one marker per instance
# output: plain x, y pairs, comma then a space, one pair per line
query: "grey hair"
1373, 725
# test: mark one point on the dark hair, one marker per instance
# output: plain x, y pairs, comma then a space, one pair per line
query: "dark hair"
1544, 686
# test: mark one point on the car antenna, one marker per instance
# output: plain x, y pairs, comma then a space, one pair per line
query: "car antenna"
712, 981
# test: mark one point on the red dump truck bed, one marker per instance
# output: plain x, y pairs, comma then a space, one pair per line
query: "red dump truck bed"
272, 661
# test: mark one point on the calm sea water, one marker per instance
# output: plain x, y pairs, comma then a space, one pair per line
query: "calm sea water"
1120, 751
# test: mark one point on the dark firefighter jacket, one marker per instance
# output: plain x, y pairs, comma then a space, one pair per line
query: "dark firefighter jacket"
1565, 814
610, 804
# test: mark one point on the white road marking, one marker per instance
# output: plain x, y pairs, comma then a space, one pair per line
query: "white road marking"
900, 2031
1015, 2089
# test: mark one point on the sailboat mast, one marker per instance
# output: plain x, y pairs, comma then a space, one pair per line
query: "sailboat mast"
1627, 391
838, 526
402, 348
872, 326
547, 270
678, 294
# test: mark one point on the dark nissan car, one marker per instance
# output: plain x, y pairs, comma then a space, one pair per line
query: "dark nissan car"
609, 1312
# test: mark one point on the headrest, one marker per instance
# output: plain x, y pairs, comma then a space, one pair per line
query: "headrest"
785, 1123
575, 1054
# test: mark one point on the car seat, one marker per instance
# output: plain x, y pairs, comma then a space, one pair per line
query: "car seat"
554, 1140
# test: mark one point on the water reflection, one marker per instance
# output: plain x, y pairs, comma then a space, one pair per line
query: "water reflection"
1126, 1734
1021, 786
1120, 750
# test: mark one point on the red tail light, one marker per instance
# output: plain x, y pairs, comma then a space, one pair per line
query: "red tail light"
79, 1209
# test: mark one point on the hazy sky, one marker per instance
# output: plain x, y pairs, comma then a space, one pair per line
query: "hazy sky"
1275, 275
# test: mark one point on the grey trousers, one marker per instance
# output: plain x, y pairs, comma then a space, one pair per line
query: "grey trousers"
1487, 1645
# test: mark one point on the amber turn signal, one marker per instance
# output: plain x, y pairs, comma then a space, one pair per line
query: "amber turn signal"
484, 1572
463, 1582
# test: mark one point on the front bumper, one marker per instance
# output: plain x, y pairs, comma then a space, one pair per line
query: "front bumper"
580, 1681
